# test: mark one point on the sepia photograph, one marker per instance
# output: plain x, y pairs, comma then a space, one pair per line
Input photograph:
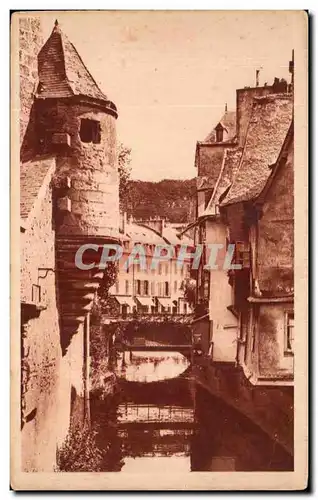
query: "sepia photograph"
158, 251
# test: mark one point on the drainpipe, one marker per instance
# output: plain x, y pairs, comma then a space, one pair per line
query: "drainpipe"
86, 356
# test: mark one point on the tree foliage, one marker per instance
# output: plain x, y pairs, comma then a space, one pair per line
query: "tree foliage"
173, 199
189, 291
80, 451
124, 171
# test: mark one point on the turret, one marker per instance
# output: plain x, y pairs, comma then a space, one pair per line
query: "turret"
76, 123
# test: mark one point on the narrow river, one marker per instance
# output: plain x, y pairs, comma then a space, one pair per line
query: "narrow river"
160, 419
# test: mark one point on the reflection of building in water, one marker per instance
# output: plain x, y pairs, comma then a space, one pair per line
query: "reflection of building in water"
150, 430
150, 367
156, 419
138, 413
156, 442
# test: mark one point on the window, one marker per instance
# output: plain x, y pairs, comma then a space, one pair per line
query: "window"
90, 131
160, 268
206, 284
146, 287
289, 333
166, 288
127, 287
187, 270
219, 134
152, 287
138, 287
167, 268
175, 287
242, 254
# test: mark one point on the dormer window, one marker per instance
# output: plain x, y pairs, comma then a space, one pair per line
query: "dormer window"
219, 134
90, 131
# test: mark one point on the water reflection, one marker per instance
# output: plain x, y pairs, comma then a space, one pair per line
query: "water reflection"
159, 418
150, 366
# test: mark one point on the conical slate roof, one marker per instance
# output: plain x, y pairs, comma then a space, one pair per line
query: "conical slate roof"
62, 72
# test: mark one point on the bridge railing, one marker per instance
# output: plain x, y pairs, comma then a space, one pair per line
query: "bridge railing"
150, 317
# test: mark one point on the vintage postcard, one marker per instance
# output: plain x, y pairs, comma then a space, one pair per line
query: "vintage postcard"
159, 250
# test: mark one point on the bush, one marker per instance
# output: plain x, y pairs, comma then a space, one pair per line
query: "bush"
79, 452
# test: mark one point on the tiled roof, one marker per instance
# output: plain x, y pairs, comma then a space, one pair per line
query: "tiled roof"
269, 122
62, 72
142, 234
32, 177
228, 122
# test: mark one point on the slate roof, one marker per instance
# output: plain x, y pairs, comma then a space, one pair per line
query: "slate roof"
230, 164
269, 123
32, 177
62, 72
209, 163
228, 122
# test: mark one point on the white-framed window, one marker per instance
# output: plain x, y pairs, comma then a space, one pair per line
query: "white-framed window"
289, 332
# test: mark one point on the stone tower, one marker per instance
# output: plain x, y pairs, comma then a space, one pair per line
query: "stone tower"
76, 123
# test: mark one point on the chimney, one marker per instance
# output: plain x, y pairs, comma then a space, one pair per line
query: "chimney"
123, 226
257, 78
244, 102
280, 86
155, 223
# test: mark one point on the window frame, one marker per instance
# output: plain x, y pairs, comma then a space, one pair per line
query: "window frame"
289, 351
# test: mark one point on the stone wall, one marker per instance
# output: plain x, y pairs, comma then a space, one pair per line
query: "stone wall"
30, 42
47, 377
244, 102
41, 352
276, 233
273, 360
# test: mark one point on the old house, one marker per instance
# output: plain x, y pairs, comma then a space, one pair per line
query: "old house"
149, 285
231, 176
244, 312
261, 197
69, 197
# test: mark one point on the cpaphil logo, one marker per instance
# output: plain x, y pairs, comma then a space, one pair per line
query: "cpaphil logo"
219, 257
